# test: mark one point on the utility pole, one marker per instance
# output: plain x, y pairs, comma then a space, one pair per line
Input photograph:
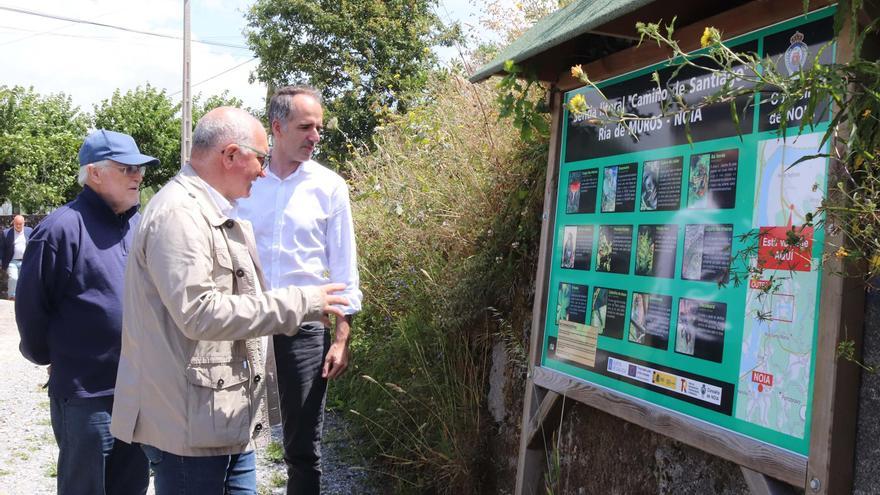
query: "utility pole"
186, 105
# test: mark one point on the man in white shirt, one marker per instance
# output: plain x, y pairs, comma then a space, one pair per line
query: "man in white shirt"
14, 243
302, 223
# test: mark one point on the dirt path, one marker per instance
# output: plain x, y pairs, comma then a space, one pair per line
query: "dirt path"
27, 446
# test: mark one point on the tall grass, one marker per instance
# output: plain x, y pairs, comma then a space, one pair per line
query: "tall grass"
447, 212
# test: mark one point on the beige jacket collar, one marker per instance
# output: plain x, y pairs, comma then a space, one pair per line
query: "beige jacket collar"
197, 188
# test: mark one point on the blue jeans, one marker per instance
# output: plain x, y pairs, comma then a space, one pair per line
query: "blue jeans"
208, 475
12, 277
302, 393
90, 460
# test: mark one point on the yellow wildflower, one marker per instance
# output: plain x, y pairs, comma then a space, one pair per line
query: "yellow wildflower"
577, 72
841, 252
865, 114
577, 105
875, 263
710, 36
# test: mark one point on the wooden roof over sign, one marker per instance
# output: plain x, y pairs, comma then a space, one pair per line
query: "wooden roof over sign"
587, 30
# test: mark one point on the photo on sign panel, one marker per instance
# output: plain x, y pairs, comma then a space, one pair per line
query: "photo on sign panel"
700, 329
707, 251
608, 311
615, 248
582, 190
571, 303
712, 180
661, 184
656, 247
649, 319
619, 188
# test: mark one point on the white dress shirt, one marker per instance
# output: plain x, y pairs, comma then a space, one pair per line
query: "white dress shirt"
304, 230
227, 208
19, 245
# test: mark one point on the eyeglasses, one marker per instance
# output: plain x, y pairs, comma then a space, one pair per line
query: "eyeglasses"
262, 157
129, 170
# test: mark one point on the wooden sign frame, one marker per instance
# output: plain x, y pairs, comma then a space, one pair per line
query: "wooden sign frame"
835, 387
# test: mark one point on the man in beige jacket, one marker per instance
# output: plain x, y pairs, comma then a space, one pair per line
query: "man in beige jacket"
190, 385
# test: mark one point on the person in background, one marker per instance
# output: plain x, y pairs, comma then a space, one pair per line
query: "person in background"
14, 243
191, 381
305, 236
69, 314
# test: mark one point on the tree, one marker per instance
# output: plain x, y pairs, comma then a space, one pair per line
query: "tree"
153, 120
367, 57
149, 116
39, 141
200, 107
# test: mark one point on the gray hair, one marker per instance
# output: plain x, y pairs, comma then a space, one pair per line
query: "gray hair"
279, 105
214, 130
84, 170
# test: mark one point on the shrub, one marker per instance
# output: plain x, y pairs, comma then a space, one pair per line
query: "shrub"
447, 212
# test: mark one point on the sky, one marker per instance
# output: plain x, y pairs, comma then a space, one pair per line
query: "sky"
89, 62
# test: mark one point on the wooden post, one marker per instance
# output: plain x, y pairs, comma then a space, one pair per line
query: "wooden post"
529, 469
186, 103
760, 484
836, 386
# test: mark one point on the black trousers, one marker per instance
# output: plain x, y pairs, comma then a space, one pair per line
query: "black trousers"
302, 392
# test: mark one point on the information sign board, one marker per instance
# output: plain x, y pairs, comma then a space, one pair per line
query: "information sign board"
688, 248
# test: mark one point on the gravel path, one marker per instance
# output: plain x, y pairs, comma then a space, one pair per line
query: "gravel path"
27, 446
28, 451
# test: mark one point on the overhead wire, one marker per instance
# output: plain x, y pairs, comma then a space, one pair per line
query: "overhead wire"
112, 26
48, 31
121, 28
215, 76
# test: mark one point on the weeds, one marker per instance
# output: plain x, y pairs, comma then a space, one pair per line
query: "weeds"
274, 452
447, 210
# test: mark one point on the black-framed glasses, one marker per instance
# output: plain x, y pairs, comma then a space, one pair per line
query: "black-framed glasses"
129, 170
262, 157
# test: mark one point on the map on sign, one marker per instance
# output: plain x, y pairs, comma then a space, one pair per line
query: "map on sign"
778, 330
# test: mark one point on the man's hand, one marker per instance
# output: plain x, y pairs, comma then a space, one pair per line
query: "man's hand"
331, 301
338, 355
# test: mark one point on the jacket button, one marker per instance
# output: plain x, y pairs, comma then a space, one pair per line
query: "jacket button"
239, 272
258, 427
220, 383
229, 224
257, 379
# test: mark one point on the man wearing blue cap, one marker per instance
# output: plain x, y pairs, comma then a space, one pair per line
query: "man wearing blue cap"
69, 314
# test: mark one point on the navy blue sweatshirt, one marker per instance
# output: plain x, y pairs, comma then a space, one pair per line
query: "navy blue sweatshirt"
68, 302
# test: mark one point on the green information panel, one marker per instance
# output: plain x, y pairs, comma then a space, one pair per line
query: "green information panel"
655, 237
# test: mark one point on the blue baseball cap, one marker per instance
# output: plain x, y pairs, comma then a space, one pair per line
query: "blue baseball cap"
110, 145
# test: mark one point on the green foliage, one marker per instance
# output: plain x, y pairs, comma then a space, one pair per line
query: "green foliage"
644, 253
39, 140
447, 211
369, 58
274, 452
149, 116
153, 120
521, 96
40, 137
224, 99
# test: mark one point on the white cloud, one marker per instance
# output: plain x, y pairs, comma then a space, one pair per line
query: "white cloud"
90, 62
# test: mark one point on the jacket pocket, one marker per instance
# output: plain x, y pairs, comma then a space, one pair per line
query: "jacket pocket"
218, 405
223, 270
